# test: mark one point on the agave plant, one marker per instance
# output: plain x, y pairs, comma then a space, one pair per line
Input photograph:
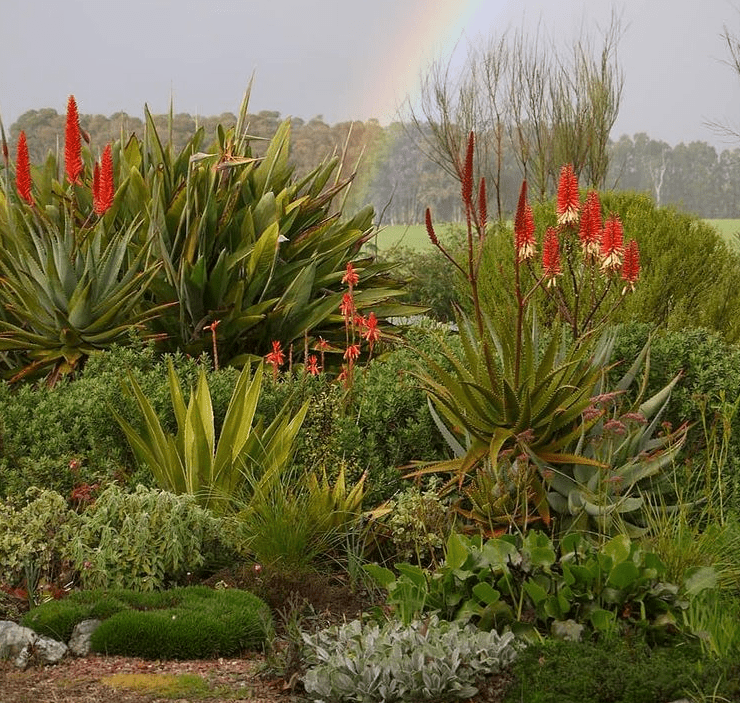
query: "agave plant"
244, 244
194, 461
65, 297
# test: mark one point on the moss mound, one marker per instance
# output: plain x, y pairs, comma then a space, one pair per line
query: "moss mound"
183, 623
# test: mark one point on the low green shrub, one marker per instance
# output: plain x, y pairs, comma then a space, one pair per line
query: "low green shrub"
182, 623
30, 536
145, 540
424, 660
615, 671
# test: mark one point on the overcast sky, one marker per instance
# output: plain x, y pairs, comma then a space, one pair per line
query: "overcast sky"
344, 59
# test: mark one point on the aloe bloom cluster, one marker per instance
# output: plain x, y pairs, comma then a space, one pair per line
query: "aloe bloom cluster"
591, 251
102, 186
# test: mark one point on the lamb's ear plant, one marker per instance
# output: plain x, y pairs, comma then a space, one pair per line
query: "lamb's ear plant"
194, 460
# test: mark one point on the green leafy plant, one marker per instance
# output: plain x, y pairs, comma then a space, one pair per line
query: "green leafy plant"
522, 582
145, 540
423, 660
193, 461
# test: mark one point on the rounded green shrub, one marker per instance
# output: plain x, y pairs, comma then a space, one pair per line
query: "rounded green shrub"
182, 623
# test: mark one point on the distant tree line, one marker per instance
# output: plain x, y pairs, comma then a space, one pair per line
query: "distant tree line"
393, 173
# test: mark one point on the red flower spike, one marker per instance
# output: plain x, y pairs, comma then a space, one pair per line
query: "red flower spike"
467, 174
371, 333
524, 240
103, 195
276, 357
430, 228
568, 200
72, 143
631, 265
350, 278
347, 306
312, 365
551, 256
23, 170
482, 206
612, 243
590, 228
352, 353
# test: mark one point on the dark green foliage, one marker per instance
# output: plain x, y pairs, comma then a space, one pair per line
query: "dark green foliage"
615, 671
184, 623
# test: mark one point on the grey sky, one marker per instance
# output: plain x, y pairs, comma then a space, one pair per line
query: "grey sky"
343, 59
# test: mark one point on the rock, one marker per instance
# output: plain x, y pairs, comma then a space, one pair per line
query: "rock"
566, 630
79, 643
23, 646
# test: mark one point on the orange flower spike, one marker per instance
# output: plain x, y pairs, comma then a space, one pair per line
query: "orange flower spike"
72, 143
524, 240
551, 256
350, 278
568, 199
23, 170
631, 266
590, 227
612, 243
106, 189
467, 174
352, 353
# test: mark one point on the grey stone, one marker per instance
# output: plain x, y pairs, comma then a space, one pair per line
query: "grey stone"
79, 643
23, 645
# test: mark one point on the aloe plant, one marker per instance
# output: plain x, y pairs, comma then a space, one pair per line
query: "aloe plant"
630, 455
194, 461
67, 293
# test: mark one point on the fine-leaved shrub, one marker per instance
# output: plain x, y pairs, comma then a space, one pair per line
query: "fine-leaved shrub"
425, 660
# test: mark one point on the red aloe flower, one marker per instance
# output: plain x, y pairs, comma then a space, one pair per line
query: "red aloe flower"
352, 353
23, 170
482, 206
347, 306
350, 278
312, 365
631, 265
551, 256
524, 240
72, 143
568, 199
612, 243
467, 174
103, 194
430, 228
590, 228
371, 333
276, 358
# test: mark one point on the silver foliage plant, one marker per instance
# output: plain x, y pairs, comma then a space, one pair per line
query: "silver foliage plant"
370, 663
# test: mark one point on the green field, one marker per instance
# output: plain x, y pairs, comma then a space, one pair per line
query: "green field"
729, 229
415, 236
